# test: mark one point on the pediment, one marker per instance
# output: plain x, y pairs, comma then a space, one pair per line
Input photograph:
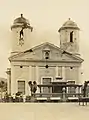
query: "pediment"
38, 53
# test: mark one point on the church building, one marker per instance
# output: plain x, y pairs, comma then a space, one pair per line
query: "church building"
44, 62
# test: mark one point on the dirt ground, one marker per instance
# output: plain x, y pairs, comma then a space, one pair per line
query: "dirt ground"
43, 111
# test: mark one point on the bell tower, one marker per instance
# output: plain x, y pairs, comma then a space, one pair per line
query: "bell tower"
69, 37
21, 35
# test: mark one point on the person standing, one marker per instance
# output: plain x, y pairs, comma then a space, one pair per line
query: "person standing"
34, 87
13, 97
31, 86
3, 96
24, 98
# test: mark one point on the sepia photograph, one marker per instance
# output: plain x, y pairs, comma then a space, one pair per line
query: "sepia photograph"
44, 61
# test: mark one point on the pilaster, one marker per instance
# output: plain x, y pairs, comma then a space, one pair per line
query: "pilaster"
13, 81
63, 73
56, 71
30, 79
37, 78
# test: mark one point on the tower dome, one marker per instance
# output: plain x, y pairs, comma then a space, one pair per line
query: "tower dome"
21, 22
70, 25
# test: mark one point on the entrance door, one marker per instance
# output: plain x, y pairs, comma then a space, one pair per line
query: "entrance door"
21, 87
46, 81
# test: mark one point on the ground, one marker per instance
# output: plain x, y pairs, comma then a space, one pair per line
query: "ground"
46, 111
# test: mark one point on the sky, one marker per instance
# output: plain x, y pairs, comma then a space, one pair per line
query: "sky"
46, 17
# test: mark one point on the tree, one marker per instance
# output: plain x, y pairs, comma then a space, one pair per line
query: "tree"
2, 85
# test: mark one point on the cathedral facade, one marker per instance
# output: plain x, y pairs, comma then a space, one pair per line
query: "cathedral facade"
45, 62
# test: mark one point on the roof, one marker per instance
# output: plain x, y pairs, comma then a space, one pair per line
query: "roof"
59, 85
69, 24
77, 58
20, 21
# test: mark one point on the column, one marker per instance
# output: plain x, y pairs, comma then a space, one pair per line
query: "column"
80, 89
56, 70
63, 73
77, 91
8, 80
67, 90
13, 81
27, 88
30, 79
37, 78
30, 73
8, 84
37, 75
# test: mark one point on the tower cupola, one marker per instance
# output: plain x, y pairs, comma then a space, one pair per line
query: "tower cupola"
21, 34
69, 37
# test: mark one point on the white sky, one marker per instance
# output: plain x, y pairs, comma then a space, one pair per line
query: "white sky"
44, 15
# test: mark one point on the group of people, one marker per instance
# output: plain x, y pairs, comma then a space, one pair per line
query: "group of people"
33, 87
13, 98
19, 97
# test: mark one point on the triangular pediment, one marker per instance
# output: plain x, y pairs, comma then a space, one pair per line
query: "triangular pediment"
38, 53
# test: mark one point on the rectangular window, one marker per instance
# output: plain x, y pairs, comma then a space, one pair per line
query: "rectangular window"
59, 71
71, 89
46, 81
21, 87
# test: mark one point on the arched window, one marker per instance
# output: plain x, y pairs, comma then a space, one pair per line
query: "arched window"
71, 36
46, 55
